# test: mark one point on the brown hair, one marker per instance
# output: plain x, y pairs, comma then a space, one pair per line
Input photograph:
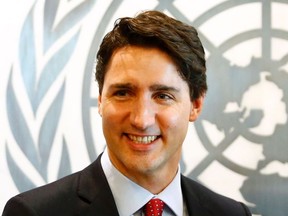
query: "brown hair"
155, 29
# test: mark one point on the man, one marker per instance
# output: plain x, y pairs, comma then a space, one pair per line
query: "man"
151, 75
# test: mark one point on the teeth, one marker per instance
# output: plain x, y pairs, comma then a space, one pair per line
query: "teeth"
142, 139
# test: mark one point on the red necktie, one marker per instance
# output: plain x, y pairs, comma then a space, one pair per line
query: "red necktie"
154, 207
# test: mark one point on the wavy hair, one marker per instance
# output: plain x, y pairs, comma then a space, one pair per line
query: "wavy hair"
155, 29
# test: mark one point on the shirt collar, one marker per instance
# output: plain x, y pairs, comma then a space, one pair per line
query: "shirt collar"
124, 189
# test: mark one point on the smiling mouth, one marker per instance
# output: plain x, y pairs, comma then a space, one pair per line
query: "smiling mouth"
142, 139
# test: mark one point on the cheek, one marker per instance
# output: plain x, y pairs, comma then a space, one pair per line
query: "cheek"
176, 126
177, 116
174, 122
108, 116
112, 117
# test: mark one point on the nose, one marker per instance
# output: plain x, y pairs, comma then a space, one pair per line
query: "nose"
142, 114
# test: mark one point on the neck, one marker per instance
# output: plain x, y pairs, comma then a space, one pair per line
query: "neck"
155, 182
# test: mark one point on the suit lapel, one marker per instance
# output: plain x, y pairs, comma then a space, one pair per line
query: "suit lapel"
94, 190
195, 205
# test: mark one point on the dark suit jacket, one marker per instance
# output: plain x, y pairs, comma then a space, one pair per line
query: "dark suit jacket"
87, 193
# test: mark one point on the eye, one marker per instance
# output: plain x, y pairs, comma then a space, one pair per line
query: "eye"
121, 93
164, 96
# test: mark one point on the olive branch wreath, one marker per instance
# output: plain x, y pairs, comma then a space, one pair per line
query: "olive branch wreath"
38, 152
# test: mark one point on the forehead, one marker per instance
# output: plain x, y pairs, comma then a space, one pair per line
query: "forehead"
140, 54
141, 61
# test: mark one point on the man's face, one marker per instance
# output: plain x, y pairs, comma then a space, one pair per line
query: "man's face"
146, 108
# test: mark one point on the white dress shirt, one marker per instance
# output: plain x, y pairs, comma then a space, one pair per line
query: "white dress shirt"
131, 197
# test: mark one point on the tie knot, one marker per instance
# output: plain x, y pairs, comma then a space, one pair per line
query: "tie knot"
154, 207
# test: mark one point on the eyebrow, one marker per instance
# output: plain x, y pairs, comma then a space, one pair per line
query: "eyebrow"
153, 88
160, 87
122, 86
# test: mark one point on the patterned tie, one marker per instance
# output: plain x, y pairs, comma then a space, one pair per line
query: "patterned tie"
154, 207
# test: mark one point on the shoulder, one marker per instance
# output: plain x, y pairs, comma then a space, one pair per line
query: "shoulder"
60, 197
212, 202
44, 198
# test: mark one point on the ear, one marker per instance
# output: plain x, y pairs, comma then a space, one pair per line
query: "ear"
196, 108
99, 105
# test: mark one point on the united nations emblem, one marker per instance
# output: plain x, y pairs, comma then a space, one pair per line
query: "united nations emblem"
244, 120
